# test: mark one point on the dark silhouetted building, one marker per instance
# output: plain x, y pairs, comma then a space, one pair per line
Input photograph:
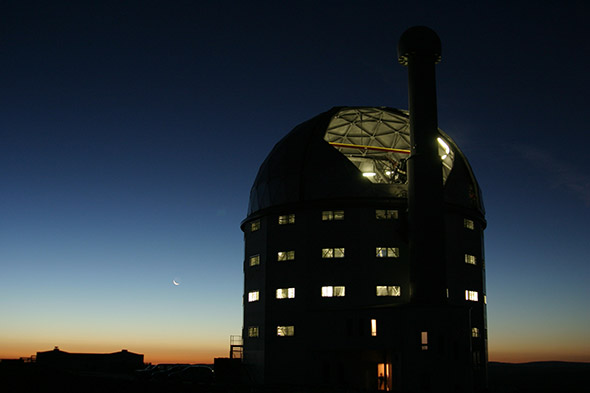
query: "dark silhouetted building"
123, 361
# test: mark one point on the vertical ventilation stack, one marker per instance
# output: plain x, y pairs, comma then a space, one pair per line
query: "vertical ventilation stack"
419, 49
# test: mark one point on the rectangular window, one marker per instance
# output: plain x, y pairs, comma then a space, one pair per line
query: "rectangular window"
387, 252
285, 331
254, 260
330, 291
333, 215
470, 259
476, 359
424, 340
287, 219
381, 214
471, 295
252, 331
254, 226
469, 224
332, 252
373, 327
285, 255
474, 332
253, 296
285, 293
384, 377
388, 290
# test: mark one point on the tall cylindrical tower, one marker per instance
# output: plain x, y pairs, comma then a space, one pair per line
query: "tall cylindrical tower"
420, 49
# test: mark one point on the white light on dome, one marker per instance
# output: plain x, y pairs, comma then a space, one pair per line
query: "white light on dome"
369, 174
445, 147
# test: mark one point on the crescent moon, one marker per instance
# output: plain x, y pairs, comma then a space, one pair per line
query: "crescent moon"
175, 282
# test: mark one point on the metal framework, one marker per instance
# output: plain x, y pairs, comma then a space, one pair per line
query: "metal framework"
377, 141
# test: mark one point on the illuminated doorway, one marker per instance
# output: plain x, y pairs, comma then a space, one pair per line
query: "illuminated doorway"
384, 380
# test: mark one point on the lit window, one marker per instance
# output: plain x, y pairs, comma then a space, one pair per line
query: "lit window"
390, 290
471, 295
284, 331
373, 327
253, 296
381, 214
384, 377
424, 340
331, 291
254, 226
474, 332
287, 219
469, 224
470, 259
332, 252
285, 293
254, 260
285, 255
332, 215
387, 252
252, 331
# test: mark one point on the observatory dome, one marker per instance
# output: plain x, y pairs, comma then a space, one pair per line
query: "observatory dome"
354, 152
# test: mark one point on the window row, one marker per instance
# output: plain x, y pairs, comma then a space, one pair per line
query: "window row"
340, 291
328, 215
328, 253
282, 331
380, 252
327, 291
338, 215
289, 330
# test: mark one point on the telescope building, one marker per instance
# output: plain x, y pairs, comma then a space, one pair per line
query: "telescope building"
356, 277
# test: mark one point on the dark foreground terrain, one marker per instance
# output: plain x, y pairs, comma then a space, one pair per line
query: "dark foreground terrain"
539, 377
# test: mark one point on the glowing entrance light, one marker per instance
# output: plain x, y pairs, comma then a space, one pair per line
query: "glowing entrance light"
444, 145
369, 174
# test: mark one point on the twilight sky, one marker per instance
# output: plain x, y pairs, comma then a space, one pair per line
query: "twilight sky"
131, 132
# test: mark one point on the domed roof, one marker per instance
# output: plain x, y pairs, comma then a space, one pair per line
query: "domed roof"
353, 152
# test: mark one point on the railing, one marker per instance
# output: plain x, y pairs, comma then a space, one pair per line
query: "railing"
236, 347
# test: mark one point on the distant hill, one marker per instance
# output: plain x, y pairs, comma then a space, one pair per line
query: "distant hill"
539, 377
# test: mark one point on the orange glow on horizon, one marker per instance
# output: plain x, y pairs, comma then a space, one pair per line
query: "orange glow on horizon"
537, 356
153, 353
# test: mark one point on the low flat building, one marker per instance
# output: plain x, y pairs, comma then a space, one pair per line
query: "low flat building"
118, 362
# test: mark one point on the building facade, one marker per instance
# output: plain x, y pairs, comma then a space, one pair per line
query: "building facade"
327, 272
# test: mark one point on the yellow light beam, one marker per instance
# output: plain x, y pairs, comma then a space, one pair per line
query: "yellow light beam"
363, 147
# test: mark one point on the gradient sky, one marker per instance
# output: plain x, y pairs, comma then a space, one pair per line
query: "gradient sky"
131, 133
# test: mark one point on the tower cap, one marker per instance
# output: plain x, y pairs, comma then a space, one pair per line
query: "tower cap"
420, 41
